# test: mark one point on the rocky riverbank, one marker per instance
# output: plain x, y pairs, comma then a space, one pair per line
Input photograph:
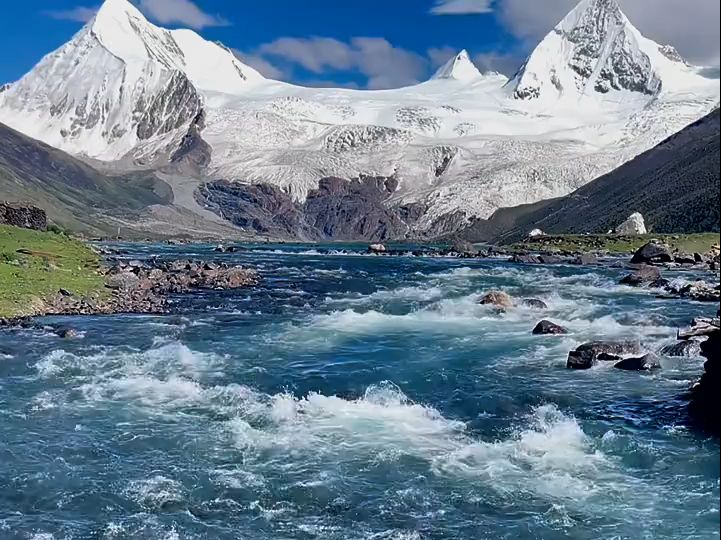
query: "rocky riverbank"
142, 287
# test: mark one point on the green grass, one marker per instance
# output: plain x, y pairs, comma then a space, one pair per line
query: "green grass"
690, 243
55, 261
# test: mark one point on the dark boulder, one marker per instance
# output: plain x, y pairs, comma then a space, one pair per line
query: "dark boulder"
706, 393
586, 355
548, 328
653, 252
66, 333
534, 303
646, 362
643, 275
684, 258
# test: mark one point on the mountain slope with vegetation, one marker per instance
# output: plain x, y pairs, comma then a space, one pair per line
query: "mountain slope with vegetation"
75, 195
674, 185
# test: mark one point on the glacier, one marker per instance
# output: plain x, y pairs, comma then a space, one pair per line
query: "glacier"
592, 95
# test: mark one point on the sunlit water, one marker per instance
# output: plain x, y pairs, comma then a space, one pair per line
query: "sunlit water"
356, 397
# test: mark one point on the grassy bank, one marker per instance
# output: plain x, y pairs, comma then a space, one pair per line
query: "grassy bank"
36, 265
690, 243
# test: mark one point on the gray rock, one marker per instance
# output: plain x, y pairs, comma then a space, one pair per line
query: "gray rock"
548, 328
525, 259
644, 363
684, 258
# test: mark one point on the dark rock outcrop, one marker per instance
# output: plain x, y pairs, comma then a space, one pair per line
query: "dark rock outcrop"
22, 215
706, 394
646, 362
548, 328
588, 354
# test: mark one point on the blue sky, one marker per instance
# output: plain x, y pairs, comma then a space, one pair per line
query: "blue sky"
362, 43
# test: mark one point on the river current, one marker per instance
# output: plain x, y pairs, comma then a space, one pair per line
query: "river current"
356, 397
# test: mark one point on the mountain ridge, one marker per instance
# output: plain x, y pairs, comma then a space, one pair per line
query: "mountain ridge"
460, 144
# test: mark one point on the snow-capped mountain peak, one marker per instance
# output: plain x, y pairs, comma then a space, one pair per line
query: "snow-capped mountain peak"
459, 68
594, 50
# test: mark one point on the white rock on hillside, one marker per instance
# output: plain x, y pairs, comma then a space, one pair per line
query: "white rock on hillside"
633, 225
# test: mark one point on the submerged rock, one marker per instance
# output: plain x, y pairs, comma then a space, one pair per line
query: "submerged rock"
646, 362
549, 328
497, 298
534, 303
66, 333
653, 252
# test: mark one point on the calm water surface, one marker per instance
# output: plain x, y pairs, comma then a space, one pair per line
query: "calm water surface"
355, 398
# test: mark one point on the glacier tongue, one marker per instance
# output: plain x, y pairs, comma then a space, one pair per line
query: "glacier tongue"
592, 95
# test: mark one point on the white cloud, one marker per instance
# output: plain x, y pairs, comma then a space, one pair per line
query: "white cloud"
381, 63
438, 56
462, 7
692, 26
78, 14
182, 12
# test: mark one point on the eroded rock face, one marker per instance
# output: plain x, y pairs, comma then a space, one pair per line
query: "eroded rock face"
339, 209
25, 216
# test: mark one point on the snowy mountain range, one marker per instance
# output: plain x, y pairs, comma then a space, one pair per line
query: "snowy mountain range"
592, 95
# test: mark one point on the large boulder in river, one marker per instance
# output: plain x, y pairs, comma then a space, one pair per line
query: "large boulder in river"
633, 225
643, 275
548, 328
646, 362
588, 354
497, 298
586, 259
377, 248
653, 252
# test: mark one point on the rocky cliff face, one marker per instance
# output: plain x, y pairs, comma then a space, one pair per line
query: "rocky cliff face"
338, 210
26, 216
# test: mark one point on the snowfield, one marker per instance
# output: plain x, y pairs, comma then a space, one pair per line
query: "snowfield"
592, 95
